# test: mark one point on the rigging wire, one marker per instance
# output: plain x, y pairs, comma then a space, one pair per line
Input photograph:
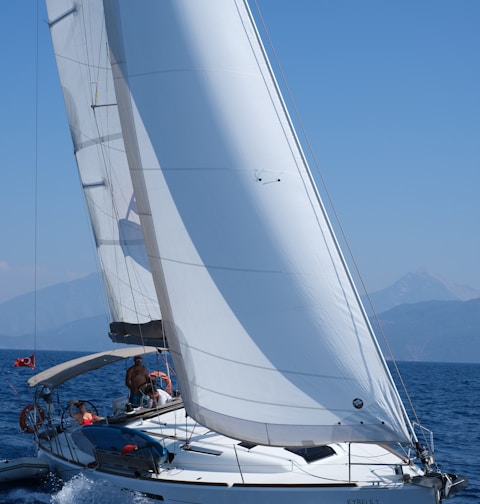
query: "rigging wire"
35, 196
93, 80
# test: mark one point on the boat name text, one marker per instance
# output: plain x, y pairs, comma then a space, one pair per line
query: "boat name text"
363, 501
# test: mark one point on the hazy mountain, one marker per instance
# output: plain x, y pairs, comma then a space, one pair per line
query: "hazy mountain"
444, 331
422, 316
87, 334
416, 288
53, 307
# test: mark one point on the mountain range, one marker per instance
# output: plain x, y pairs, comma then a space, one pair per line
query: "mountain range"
422, 317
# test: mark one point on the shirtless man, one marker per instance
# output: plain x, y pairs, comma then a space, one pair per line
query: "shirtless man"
136, 378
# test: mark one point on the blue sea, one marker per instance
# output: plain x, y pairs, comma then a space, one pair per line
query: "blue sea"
446, 398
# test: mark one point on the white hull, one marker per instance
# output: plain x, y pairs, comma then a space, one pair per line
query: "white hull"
171, 491
216, 469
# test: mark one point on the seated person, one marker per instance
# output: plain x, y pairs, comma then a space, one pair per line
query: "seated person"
157, 396
83, 416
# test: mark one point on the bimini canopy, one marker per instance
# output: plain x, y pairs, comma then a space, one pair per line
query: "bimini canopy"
55, 376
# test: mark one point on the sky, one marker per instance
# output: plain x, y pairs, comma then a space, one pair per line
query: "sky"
387, 93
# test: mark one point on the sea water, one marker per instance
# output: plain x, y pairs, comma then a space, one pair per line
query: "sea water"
446, 400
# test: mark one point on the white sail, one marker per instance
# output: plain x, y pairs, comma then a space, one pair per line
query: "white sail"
269, 339
81, 50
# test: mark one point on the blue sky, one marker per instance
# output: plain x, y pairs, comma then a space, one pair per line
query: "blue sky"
387, 92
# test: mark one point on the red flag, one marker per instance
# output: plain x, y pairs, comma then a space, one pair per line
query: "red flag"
25, 361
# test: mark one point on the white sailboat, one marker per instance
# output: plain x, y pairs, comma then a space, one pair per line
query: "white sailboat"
212, 237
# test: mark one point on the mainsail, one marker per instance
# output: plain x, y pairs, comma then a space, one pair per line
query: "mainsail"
81, 51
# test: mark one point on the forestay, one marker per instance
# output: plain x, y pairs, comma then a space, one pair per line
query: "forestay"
269, 339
